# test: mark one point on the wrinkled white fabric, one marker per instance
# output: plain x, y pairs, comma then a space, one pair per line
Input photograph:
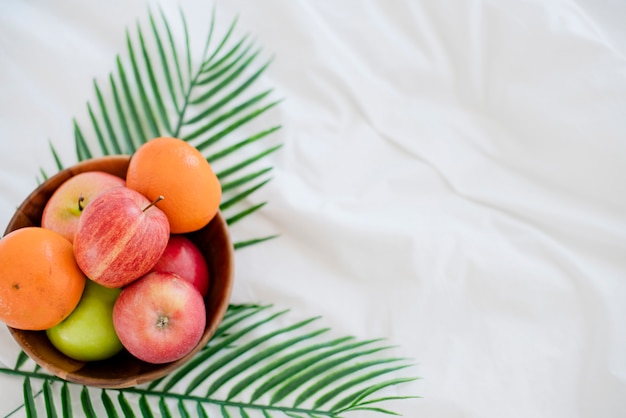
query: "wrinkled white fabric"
451, 179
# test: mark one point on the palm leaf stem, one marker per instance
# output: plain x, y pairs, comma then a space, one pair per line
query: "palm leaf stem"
210, 34
222, 43
187, 42
151, 393
224, 403
331, 394
228, 97
186, 102
217, 66
28, 374
193, 80
373, 409
164, 63
172, 44
351, 402
388, 398
234, 75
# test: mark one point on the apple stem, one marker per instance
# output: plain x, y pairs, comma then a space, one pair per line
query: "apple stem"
81, 199
158, 199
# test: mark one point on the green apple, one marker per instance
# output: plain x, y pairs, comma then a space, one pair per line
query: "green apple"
88, 334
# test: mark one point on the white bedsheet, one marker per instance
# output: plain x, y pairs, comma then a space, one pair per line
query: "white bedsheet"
452, 180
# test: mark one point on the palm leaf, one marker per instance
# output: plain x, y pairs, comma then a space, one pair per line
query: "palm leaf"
251, 365
144, 407
49, 400
66, 401
254, 364
151, 94
108, 404
21, 359
85, 400
29, 399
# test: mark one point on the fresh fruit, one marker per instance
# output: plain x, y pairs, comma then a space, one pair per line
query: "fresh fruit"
176, 170
182, 257
63, 210
159, 318
88, 333
120, 237
41, 283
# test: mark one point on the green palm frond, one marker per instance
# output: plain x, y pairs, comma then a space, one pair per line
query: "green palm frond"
253, 365
208, 102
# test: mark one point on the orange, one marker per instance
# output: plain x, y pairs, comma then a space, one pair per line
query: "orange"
40, 282
176, 170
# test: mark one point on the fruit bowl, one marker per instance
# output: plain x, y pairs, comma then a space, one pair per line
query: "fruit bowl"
124, 370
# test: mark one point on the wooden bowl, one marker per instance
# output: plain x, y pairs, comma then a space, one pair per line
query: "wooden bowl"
124, 370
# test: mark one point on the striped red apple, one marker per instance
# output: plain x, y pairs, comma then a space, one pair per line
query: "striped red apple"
120, 237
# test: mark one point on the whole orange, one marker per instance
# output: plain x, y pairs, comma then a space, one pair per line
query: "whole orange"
176, 170
40, 282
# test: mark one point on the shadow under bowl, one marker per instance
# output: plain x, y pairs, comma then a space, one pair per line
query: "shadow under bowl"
123, 370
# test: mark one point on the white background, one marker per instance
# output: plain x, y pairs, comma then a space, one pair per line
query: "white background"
452, 179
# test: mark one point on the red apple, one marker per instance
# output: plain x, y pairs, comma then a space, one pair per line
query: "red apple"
182, 257
63, 210
120, 237
159, 318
